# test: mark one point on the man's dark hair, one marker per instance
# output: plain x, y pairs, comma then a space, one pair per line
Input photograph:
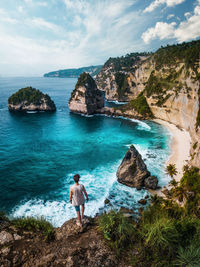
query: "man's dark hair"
76, 178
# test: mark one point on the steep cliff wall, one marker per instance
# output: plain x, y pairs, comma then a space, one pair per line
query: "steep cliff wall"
169, 79
121, 78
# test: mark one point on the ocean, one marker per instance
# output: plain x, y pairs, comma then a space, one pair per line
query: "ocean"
40, 153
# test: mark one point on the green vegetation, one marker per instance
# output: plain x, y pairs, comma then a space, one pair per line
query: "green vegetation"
187, 53
30, 96
74, 73
140, 105
33, 224
171, 170
124, 63
118, 229
160, 85
84, 79
122, 84
166, 234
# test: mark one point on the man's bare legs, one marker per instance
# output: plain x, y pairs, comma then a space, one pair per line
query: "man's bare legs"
79, 217
82, 211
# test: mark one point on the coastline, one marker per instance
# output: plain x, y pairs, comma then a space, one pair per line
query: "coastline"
180, 147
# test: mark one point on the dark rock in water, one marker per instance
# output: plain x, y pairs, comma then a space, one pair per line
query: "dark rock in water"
107, 201
147, 196
86, 98
151, 182
30, 99
142, 201
132, 171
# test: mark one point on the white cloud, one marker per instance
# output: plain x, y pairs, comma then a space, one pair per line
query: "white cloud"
157, 3
170, 16
162, 30
185, 31
4, 17
189, 29
43, 24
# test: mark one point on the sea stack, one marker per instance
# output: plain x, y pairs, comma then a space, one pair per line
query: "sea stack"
30, 99
133, 171
86, 98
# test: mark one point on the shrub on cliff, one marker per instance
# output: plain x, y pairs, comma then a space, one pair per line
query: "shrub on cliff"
117, 229
33, 224
141, 106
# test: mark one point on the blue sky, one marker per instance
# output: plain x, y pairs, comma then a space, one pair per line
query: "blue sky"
38, 36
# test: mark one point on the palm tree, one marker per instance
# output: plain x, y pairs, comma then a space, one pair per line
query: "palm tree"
171, 170
173, 182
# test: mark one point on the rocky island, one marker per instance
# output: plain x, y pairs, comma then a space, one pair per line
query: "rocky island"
30, 99
86, 98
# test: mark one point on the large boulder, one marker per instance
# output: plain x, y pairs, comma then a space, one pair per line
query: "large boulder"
133, 171
86, 98
151, 182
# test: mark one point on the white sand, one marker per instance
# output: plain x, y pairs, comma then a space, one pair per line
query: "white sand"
180, 147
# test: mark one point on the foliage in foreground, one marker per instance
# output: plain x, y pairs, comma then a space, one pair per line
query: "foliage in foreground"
117, 229
167, 233
33, 224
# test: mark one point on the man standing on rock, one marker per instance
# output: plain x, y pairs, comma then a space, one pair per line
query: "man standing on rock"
77, 192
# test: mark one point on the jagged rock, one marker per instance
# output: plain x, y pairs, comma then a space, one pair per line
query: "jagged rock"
5, 251
151, 182
17, 237
30, 99
5, 238
132, 171
86, 98
142, 201
107, 201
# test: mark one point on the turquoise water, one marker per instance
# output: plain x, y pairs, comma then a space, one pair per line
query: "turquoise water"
40, 153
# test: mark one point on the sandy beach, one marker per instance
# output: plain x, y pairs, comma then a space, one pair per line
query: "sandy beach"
180, 147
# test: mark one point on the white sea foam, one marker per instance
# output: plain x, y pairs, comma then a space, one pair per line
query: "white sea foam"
31, 112
116, 102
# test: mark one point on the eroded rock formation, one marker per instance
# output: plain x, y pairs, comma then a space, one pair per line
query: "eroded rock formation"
86, 98
133, 171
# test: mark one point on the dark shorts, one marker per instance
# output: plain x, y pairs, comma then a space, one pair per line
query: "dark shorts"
77, 208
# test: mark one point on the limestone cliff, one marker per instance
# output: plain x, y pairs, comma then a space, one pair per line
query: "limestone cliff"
30, 99
169, 80
121, 78
86, 98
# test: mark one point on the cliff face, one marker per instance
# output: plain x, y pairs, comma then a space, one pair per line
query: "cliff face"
86, 98
121, 78
170, 82
30, 99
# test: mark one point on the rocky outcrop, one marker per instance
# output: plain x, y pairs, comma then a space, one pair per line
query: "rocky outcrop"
30, 99
72, 246
86, 98
133, 171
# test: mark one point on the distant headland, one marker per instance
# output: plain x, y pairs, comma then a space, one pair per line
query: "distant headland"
74, 73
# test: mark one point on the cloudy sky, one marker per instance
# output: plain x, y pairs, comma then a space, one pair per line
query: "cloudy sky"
38, 36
